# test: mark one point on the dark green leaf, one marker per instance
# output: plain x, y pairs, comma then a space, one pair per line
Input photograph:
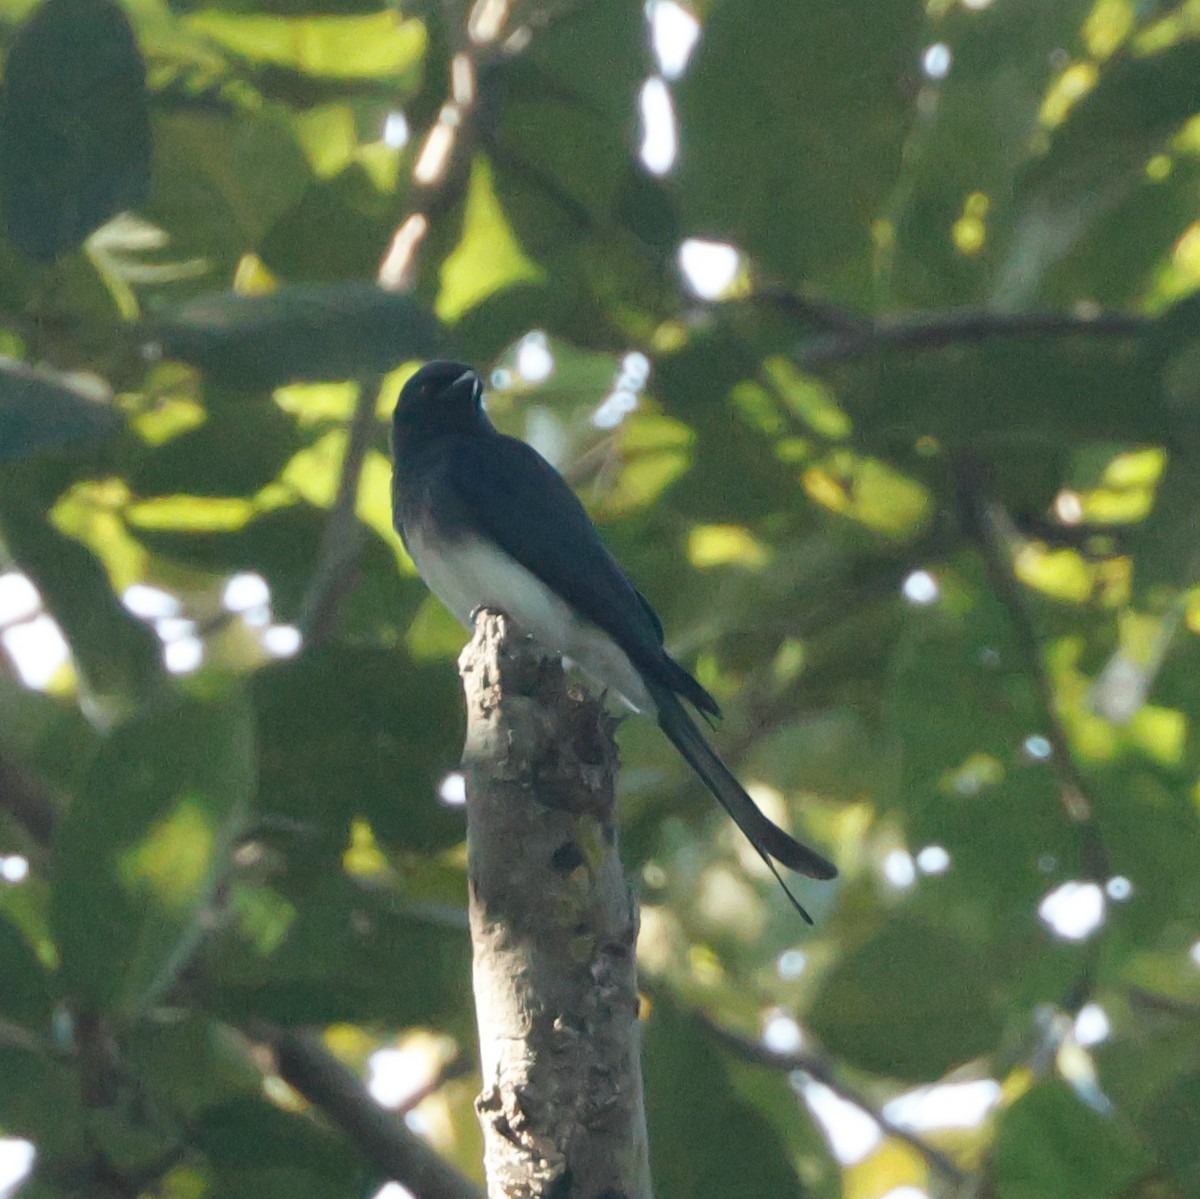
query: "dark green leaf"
317, 331
240, 448
193, 1063
811, 103
25, 995
40, 412
1050, 1146
912, 1003
225, 177
348, 731
960, 705
707, 1142
40, 1099
251, 1135
982, 127
141, 850
75, 140
298, 245
44, 739
350, 953
1006, 391
1097, 155
1172, 1126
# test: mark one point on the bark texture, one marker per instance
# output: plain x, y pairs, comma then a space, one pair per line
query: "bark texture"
554, 927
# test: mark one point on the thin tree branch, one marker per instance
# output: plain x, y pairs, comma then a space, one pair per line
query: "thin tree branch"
832, 320
441, 165
1152, 1001
819, 1067
305, 1064
988, 525
28, 802
342, 539
934, 330
458, 1067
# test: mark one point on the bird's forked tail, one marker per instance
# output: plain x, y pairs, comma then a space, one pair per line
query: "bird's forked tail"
771, 842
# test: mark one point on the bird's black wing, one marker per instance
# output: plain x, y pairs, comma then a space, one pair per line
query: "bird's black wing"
511, 494
508, 491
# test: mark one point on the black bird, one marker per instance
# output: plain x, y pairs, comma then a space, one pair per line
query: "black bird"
491, 524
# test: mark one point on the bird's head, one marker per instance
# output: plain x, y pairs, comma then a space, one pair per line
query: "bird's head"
442, 397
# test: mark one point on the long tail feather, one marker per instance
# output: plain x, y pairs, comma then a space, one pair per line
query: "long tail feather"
771, 842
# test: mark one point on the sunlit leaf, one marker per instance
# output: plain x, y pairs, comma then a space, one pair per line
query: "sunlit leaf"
725, 545
488, 258
381, 44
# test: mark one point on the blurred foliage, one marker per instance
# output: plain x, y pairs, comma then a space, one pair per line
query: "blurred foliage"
916, 496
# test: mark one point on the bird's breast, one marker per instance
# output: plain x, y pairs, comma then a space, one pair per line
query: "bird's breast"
469, 573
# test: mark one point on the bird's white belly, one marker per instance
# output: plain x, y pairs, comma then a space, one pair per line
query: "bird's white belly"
470, 574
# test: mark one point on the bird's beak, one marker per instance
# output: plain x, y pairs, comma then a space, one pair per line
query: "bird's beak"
472, 382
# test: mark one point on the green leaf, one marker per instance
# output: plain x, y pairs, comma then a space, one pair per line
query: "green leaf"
224, 179
912, 1003
200, 462
1022, 392
257, 1149
959, 703
25, 995
41, 411
352, 731
808, 101
488, 258
47, 734
562, 153
379, 45
982, 127
75, 139
41, 1100
1050, 1146
707, 1142
1096, 156
141, 850
608, 31
1171, 1124
298, 245
193, 1062
1168, 552
350, 952
312, 331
